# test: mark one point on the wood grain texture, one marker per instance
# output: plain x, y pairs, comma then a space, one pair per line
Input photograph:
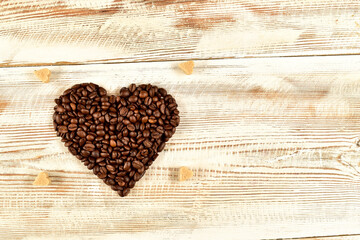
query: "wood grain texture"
273, 144
76, 32
339, 237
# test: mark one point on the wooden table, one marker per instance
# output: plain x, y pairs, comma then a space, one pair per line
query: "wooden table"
269, 119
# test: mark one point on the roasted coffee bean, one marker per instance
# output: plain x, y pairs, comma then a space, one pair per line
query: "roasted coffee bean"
137, 164
81, 134
60, 109
100, 133
118, 137
73, 150
112, 143
147, 143
124, 92
82, 142
160, 129
132, 119
126, 122
110, 168
132, 87
152, 120
123, 111
125, 192
157, 113
162, 108
95, 154
90, 137
137, 176
85, 153
156, 135
143, 94
133, 99
146, 133
62, 129
162, 92
132, 183
131, 127
161, 147
89, 147
127, 166
96, 115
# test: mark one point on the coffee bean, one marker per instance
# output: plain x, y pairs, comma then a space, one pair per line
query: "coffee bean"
152, 91
95, 154
131, 127
81, 134
73, 150
73, 106
162, 92
137, 164
132, 119
100, 133
133, 99
162, 108
96, 115
143, 94
123, 111
102, 91
125, 192
118, 137
137, 176
85, 153
160, 129
148, 101
157, 113
132, 87
84, 111
110, 168
62, 129
60, 109
161, 147
89, 147
156, 135
152, 120
112, 143
146, 133
90, 137
147, 143
132, 183
124, 92
127, 166
121, 183
82, 142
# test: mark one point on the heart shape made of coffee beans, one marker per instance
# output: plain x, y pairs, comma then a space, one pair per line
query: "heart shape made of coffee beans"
118, 137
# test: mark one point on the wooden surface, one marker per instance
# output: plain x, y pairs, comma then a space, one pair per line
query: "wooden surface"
88, 31
274, 151
272, 135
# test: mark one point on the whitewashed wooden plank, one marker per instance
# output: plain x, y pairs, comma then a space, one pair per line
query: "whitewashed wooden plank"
273, 144
340, 237
59, 32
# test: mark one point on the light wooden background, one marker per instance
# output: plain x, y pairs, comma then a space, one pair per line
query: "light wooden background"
270, 119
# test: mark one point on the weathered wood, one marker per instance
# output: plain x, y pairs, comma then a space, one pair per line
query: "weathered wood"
339, 237
273, 143
75, 32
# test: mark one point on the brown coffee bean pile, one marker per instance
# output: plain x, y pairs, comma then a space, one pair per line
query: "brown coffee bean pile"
118, 137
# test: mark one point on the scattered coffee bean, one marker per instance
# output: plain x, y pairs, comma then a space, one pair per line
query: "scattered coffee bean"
118, 137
